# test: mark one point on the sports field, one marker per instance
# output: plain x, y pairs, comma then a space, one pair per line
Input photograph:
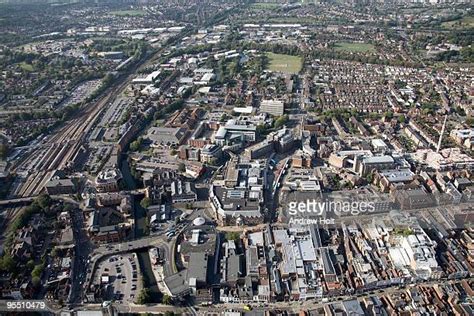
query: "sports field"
26, 67
284, 63
466, 23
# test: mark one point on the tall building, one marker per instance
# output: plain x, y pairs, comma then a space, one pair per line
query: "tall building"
273, 107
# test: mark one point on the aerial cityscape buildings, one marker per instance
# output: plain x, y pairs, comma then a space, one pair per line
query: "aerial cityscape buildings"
205, 157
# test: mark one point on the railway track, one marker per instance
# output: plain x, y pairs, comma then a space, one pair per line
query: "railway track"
58, 149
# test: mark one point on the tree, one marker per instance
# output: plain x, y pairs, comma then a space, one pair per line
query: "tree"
8, 263
400, 84
37, 271
135, 145
30, 264
232, 236
262, 130
388, 115
370, 178
401, 119
176, 105
282, 120
36, 281
374, 116
44, 201
166, 300
181, 167
467, 53
224, 117
3, 151
143, 297
145, 202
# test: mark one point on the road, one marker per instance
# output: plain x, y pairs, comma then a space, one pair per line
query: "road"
16, 201
104, 251
39, 161
26, 200
168, 247
82, 250
294, 306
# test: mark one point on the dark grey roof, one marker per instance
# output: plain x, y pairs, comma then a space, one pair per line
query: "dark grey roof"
328, 265
177, 284
234, 268
59, 183
198, 266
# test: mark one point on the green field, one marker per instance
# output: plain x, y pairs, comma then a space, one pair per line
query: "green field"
354, 47
26, 67
466, 22
129, 13
284, 63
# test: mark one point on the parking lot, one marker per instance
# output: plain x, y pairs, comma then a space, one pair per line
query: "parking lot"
118, 277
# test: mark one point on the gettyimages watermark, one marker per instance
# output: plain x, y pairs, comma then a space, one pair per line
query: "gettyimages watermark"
313, 211
335, 207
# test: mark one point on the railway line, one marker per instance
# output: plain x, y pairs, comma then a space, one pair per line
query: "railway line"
56, 151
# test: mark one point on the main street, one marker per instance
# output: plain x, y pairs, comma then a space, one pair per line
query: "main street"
289, 306
82, 250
